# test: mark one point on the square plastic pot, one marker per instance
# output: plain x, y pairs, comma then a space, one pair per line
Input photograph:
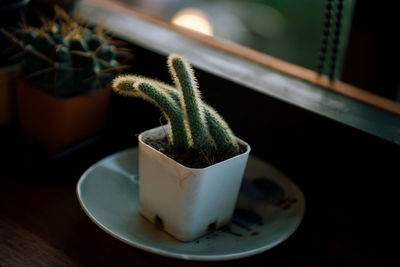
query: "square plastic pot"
187, 202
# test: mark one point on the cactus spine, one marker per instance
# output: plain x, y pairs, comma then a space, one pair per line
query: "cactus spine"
204, 128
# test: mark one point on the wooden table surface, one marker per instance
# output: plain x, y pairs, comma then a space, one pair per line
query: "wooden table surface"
42, 224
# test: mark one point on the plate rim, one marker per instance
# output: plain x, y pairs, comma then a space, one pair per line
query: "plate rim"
138, 244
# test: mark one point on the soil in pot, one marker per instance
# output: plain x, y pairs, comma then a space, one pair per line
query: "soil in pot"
190, 158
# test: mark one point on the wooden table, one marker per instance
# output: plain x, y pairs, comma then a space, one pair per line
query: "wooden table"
42, 224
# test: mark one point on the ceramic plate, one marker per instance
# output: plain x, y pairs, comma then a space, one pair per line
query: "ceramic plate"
270, 207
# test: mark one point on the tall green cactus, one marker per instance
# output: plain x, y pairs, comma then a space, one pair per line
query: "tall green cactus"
171, 110
190, 101
204, 128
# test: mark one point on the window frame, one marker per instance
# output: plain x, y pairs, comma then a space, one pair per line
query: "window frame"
255, 70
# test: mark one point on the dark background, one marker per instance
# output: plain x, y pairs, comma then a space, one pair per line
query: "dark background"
373, 51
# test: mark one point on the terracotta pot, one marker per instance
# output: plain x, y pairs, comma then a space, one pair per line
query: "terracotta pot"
187, 202
57, 123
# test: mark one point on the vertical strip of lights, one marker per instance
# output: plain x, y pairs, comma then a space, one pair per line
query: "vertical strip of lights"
336, 39
331, 36
325, 36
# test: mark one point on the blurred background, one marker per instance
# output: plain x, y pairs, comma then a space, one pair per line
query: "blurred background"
294, 31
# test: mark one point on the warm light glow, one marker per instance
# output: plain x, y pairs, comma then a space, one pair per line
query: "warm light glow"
193, 19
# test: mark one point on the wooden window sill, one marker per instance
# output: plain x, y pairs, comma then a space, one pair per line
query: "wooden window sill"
282, 80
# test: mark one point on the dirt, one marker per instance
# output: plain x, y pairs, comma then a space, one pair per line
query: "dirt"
190, 158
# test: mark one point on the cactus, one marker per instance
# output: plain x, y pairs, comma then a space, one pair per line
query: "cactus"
202, 127
64, 58
172, 112
220, 131
190, 101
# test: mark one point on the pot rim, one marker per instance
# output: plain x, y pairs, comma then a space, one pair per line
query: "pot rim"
167, 127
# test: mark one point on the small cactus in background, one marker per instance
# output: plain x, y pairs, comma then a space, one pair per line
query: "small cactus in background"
194, 124
64, 58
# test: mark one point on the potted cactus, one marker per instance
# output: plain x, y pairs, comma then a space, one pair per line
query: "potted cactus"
191, 169
63, 85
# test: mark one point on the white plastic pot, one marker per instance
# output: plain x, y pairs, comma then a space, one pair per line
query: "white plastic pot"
187, 202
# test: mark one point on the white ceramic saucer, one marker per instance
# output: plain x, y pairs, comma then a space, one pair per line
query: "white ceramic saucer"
269, 209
